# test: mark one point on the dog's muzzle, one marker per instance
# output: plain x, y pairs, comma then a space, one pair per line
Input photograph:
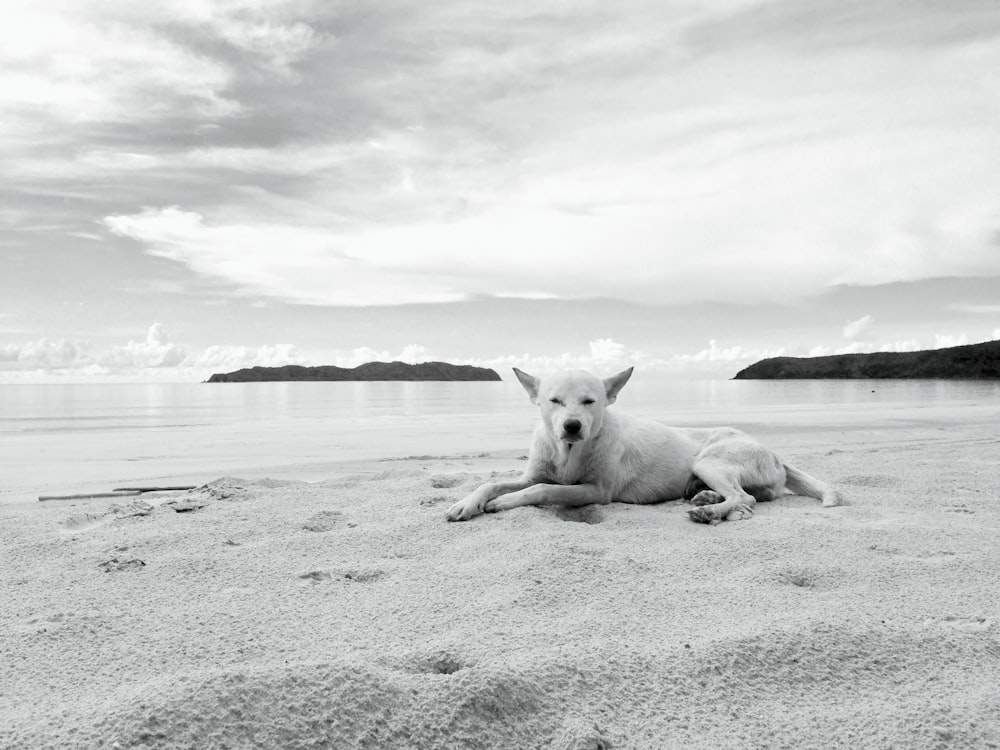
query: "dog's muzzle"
571, 430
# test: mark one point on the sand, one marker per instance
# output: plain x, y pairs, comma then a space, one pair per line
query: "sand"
349, 614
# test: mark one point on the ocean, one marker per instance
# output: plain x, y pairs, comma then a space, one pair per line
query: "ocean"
57, 438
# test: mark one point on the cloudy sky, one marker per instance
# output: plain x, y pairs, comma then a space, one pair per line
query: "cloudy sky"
202, 185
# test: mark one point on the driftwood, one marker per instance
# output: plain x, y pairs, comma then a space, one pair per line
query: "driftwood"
155, 489
120, 492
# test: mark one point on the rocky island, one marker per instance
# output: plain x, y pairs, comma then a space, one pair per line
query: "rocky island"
972, 362
367, 371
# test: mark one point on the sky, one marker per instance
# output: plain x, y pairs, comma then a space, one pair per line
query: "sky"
203, 185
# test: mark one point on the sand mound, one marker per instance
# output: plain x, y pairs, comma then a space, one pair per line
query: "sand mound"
349, 614
827, 688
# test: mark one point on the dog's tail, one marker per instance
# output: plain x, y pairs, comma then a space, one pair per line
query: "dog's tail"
799, 483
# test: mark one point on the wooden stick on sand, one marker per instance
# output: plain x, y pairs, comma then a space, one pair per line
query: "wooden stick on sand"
120, 492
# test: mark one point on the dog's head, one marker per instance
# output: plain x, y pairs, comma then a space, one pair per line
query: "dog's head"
572, 403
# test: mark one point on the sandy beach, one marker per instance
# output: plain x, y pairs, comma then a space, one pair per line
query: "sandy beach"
348, 614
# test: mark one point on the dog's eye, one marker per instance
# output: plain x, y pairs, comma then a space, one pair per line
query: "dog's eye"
588, 401
555, 400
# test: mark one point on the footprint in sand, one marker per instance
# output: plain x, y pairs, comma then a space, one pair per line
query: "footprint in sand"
43, 624
930, 558
437, 499
353, 576
82, 522
437, 662
315, 576
590, 514
578, 733
363, 576
114, 565
870, 480
805, 577
185, 506
588, 551
977, 624
446, 481
323, 521
801, 577
936, 558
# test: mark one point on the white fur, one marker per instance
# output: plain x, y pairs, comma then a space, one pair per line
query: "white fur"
583, 453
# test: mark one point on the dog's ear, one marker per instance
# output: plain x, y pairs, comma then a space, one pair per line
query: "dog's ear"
530, 383
615, 383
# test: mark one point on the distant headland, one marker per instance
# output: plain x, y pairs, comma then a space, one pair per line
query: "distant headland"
972, 362
367, 371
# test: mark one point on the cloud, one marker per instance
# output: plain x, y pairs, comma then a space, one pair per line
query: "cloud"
155, 351
856, 347
446, 150
910, 345
414, 353
274, 46
447, 176
112, 62
358, 154
155, 357
70, 64
943, 341
411, 354
978, 309
606, 350
859, 327
867, 347
359, 356
715, 353
552, 234
606, 355
226, 358
286, 261
48, 353
602, 356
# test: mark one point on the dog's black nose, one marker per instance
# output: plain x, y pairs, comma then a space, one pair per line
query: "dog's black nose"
572, 426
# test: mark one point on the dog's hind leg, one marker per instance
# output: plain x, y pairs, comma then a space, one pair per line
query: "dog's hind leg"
698, 493
711, 497
799, 483
724, 480
705, 497
740, 470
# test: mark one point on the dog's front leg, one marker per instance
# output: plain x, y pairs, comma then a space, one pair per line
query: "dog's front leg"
568, 495
475, 502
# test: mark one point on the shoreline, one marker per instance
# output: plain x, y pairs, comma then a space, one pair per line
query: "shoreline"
306, 473
291, 443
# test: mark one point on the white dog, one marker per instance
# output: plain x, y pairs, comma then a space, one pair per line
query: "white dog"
582, 453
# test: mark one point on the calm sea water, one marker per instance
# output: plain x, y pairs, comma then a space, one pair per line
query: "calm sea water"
74, 438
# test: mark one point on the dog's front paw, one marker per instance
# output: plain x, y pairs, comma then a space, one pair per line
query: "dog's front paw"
463, 510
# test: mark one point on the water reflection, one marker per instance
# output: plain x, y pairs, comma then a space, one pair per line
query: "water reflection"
121, 406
